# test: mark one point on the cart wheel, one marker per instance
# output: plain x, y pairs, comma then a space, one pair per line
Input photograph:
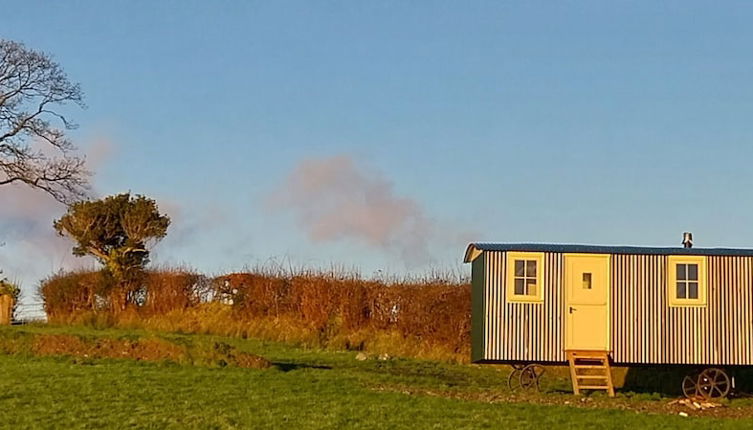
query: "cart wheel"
713, 383
690, 386
513, 380
530, 376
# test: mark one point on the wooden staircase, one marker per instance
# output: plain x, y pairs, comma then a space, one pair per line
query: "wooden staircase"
589, 370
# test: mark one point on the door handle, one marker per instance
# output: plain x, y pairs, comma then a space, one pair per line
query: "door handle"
572, 309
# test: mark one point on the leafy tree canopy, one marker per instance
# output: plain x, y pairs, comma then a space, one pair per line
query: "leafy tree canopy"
117, 230
9, 288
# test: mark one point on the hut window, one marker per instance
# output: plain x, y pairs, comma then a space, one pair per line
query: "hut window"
587, 281
687, 281
524, 275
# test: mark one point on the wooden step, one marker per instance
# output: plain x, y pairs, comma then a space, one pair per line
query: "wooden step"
587, 354
602, 370
581, 361
589, 364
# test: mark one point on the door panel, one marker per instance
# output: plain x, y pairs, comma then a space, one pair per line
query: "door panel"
588, 328
587, 302
588, 280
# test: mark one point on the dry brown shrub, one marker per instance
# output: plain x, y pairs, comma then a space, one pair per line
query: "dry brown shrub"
169, 290
255, 295
318, 298
70, 293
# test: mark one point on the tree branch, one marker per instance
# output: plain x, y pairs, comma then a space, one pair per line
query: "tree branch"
30, 83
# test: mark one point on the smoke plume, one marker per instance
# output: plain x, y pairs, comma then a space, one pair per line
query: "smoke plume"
334, 199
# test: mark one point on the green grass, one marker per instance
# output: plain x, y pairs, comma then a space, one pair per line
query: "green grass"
305, 389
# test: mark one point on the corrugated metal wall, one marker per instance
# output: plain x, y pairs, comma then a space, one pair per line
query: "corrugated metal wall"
523, 331
644, 328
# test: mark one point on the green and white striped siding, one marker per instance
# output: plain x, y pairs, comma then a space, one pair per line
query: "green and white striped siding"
523, 331
645, 330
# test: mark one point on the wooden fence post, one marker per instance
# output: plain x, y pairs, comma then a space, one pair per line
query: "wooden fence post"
6, 309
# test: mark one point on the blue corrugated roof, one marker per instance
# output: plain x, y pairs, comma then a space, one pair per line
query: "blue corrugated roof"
600, 249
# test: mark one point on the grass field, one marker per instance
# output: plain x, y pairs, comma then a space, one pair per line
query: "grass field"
302, 389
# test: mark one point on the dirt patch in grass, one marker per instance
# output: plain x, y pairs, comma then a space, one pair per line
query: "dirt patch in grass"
726, 409
153, 349
223, 354
142, 349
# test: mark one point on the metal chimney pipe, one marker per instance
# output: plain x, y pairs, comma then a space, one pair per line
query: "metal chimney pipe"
687, 239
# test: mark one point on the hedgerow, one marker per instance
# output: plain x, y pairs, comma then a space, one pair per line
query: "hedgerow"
427, 317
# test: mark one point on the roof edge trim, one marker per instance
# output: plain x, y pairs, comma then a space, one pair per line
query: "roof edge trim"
471, 253
476, 248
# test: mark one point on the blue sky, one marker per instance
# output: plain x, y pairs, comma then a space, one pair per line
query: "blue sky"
576, 122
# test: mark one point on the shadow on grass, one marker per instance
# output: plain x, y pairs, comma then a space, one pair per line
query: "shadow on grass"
667, 380
287, 367
664, 380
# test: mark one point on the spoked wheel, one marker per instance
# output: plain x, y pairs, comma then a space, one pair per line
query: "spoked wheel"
530, 376
513, 380
690, 386
714, 383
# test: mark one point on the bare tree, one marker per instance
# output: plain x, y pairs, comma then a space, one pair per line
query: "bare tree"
32, 150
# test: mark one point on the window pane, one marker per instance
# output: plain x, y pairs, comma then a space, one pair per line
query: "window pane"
692, 272
520, 267
531, 287
682, 272
587, 281
520, 288
681, 291
692, 290
531, 268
